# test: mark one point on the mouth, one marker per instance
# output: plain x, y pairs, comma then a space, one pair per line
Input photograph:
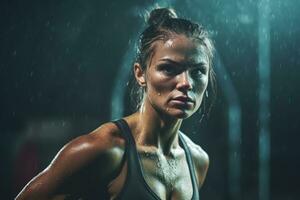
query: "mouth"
183, 101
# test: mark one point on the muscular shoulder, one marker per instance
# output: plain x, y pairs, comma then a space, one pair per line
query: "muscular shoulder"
200, 158
94, 156
104, 143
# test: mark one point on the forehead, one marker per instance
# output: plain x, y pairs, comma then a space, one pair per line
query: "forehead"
180, 49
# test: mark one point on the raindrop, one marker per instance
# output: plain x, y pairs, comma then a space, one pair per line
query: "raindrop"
158, 164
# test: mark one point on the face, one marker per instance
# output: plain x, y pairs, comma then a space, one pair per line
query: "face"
176, 76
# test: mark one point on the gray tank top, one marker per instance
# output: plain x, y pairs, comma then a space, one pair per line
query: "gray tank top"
135, 186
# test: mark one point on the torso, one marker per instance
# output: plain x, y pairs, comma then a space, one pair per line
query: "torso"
168, 177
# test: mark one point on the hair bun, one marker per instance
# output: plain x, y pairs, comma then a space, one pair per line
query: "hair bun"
159, 15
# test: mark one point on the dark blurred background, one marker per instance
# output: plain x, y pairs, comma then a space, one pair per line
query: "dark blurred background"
61, 62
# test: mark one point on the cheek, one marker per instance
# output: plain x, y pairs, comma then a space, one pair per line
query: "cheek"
201, 85
200, 88
158, 83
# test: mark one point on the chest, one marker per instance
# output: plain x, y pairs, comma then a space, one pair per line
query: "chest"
168, 177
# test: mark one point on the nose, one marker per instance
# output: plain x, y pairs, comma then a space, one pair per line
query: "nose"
184, 81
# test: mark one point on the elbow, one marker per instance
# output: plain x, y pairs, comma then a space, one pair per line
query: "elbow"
30, 192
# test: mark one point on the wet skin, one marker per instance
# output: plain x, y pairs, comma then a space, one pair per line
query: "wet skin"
174, 80
178, 69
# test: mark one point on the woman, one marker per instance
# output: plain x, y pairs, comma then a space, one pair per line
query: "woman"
144, 155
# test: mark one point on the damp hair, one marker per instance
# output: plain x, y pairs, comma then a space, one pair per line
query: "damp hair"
162, 24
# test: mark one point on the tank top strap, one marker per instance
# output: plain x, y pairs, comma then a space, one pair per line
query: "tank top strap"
191, 167
135, 184
130, 148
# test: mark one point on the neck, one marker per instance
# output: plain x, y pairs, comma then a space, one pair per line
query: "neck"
156, 129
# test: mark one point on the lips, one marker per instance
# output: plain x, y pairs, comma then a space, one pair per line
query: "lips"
183, 99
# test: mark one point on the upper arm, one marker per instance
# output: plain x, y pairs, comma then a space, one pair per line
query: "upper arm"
200, 159
89, 150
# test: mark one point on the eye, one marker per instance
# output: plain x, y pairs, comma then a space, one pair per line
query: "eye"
198, 71
168, 69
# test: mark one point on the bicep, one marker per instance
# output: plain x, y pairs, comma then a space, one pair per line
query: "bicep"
49, 183
42, 187
75, 165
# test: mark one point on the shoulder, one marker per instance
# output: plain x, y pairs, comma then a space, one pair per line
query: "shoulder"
104, 143
97, 155
200, 159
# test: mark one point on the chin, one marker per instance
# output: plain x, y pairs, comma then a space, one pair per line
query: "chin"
181, 114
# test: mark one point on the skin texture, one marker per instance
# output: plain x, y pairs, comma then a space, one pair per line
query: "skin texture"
174, 81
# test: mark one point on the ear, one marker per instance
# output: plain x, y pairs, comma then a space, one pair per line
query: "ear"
139, 74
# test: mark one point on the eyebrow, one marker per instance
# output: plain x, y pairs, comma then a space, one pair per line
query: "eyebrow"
200, 64
170, 61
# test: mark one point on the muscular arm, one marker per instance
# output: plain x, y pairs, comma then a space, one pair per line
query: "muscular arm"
201, 160
94, 156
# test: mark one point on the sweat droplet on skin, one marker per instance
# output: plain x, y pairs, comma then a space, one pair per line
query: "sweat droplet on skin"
158, 164
169, 43
158, 94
